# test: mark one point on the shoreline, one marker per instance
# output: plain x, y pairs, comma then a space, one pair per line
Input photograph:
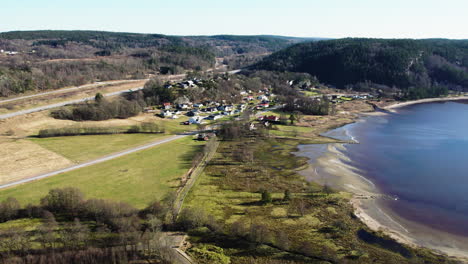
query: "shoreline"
368, 201
394, 106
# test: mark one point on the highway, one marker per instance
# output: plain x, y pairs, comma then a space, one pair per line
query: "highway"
66, 90
51, 106
47, 107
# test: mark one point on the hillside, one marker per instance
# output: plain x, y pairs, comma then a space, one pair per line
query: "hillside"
42, 60
421, 68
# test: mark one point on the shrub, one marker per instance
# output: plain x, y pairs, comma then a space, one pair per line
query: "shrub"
209, 254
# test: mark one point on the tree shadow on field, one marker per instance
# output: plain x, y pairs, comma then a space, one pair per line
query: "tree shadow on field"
187, 157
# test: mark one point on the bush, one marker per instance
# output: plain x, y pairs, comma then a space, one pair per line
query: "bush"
67, 200
101, 110
266, 197
79, 131
209, 254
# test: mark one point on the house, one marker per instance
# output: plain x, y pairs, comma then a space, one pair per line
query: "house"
174, 117
191, 113
182, 85
262, 98
183, 106
226, 108
264, 104
198, 105
167, 105
250, 98
166, 113
168, 86
271, 118
195, 120
243, 93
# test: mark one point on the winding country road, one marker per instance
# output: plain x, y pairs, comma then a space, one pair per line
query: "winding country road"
96, 161
66, 90
47, 107
51, 106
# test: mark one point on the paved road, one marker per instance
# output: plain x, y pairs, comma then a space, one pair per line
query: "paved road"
66, 90
51, 106
96, 161
47, 107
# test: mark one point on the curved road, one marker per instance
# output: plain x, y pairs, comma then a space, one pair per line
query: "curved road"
96, 161
51, 106
47, 107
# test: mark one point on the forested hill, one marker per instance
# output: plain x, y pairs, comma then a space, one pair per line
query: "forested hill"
49, 59
115, 41
416, 66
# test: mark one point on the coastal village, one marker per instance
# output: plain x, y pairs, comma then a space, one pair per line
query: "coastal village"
259, 102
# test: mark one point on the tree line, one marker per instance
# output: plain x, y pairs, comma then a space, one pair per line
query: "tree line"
146, 127
78, 230
405, 64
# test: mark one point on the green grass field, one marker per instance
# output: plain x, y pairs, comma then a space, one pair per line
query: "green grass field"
27, 224
310, 93
83, 148
137, 178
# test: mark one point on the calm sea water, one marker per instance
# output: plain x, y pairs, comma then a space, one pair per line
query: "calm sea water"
420, 155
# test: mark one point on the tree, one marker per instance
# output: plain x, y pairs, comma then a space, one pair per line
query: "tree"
327, 189
74, 235
98, 98
67, 200
282, 240
9, 209
287, 195
292, 118
46, 231
297, 206
266, 197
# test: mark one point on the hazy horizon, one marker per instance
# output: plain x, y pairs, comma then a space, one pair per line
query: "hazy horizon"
297, 18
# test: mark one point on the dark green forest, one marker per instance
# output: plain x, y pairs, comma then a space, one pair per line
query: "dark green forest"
421, 68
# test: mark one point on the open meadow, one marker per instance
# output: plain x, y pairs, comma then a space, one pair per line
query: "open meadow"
137, 178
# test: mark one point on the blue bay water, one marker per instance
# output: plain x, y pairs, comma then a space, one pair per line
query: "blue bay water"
420, 155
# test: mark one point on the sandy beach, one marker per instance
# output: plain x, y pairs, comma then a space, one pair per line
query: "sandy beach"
332, 168
422, 101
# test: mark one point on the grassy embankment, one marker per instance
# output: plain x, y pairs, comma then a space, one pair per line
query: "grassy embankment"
137, 178
315, 225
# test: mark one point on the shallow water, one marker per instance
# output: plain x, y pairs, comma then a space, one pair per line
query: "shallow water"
419, 155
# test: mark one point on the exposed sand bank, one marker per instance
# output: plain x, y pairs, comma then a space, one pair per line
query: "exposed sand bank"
332, 169
422, 101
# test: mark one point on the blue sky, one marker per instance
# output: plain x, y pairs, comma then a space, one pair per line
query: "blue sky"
304, 18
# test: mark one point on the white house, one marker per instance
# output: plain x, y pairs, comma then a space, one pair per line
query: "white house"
195, 120
166, 113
